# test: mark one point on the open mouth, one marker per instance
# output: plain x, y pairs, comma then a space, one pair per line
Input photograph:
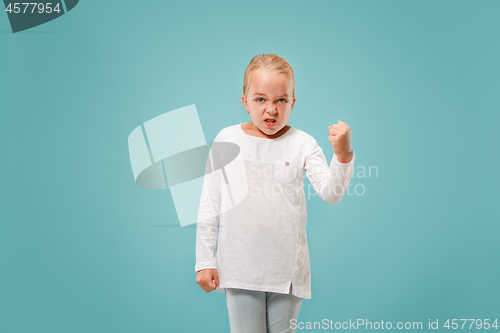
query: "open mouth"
270, 122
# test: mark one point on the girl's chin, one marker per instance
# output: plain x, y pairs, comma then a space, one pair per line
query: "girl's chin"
270, 130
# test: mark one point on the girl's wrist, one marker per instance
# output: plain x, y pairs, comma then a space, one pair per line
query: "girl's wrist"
345, 158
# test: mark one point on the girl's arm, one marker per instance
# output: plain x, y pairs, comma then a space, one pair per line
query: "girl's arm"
208, 215
330, 182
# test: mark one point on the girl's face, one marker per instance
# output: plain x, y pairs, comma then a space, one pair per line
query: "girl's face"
270, 96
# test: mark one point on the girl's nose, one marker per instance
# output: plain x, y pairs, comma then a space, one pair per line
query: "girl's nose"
271, 109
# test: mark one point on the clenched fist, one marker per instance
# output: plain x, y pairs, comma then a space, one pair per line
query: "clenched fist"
340, 137
208, 279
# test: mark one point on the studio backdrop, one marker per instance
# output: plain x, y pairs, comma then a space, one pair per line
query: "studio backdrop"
108, 109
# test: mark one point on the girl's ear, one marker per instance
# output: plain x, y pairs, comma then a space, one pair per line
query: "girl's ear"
293, 103
244, 101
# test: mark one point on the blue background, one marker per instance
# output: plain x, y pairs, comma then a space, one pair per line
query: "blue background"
84, 249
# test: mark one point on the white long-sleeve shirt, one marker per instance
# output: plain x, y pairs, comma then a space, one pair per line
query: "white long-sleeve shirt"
256, 203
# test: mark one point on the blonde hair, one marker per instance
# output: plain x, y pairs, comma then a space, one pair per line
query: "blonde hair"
270, 62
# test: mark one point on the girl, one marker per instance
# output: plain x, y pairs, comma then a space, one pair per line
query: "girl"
257, 203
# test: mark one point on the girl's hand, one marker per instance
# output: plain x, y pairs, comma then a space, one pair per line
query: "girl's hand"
208, 279
340, 137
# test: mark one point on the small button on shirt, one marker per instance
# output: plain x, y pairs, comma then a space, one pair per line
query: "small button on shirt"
253, 207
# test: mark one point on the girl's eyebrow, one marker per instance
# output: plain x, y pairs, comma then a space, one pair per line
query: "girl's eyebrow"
284, 95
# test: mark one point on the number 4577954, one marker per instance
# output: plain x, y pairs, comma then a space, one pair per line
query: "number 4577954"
485, 323
40, 6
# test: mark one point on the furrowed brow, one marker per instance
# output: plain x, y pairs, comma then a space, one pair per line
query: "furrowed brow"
284, 95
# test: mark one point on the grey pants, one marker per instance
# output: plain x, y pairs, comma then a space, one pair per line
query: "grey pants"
253, 311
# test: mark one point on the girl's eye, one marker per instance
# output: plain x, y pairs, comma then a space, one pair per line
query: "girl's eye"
281, 99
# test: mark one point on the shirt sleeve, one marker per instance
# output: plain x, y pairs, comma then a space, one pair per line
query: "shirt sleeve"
209, 212
329, 182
